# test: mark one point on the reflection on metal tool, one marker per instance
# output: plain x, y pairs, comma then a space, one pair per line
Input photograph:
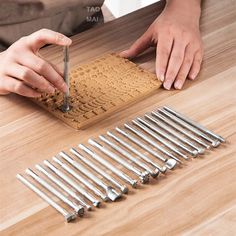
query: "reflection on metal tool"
66, 106
138, 148
68, 216
194, 124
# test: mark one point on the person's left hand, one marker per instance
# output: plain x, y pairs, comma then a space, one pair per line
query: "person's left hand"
179, 50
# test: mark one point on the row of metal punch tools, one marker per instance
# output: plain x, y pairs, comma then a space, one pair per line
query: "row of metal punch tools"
147, 146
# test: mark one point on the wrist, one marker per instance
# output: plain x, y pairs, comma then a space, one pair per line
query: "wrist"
188, 9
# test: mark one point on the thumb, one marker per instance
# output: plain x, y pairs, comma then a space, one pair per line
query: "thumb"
139, 46
44, 36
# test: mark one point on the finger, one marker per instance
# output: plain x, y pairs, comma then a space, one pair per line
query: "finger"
175, 61
30, 78
196, 66
3, 90
55, 67
139, 46
163, 51
44, 69
45, 36
16, 86
185, 68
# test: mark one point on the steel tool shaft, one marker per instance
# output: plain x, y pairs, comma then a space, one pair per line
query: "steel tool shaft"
129, 156
158, 138
82, 180
180, 129
134, 150
214, 143
63, 186
144, 176
194, 124
111, 193
77, 208
107, 164
169, 163
149, 140
194, 153
173, 132
68, 216
66, 106
123, 188
72, 183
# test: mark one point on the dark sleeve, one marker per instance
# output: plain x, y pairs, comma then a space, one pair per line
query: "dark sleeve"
23, 17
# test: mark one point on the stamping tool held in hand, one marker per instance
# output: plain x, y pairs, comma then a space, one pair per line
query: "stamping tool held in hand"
66, 106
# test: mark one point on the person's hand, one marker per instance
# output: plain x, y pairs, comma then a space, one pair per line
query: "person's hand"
24, 72
178, 43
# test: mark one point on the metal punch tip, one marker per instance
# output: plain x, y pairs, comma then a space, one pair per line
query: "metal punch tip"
69, 217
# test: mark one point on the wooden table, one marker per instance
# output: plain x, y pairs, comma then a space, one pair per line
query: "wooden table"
198, 199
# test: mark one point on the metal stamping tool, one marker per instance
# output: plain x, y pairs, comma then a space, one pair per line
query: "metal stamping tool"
134, 150
195, 124
68, 216
123, 188
129, 156
214, 143
171, 131
108, 165
143, 176
150, 141
158, 138
180, 129
110, 191
194, 153
82, 180
72, 183
63, 186
169, 163
77, 208
66, 106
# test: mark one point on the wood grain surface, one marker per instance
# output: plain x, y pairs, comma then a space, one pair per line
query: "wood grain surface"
198, 199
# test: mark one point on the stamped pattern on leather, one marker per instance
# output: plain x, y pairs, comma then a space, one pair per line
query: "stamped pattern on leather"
100, 88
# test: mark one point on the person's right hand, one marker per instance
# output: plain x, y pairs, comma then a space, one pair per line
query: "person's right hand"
24, 72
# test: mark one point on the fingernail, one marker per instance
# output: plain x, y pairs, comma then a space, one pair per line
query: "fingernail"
124, 53
64, 88
162, 78
65, 39
167, 85
50, 89
178, 84
192, 77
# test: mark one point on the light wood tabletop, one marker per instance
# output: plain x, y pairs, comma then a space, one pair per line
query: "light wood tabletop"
197, 199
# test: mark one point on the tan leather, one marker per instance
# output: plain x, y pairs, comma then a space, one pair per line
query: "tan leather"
99, 88
22, 17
